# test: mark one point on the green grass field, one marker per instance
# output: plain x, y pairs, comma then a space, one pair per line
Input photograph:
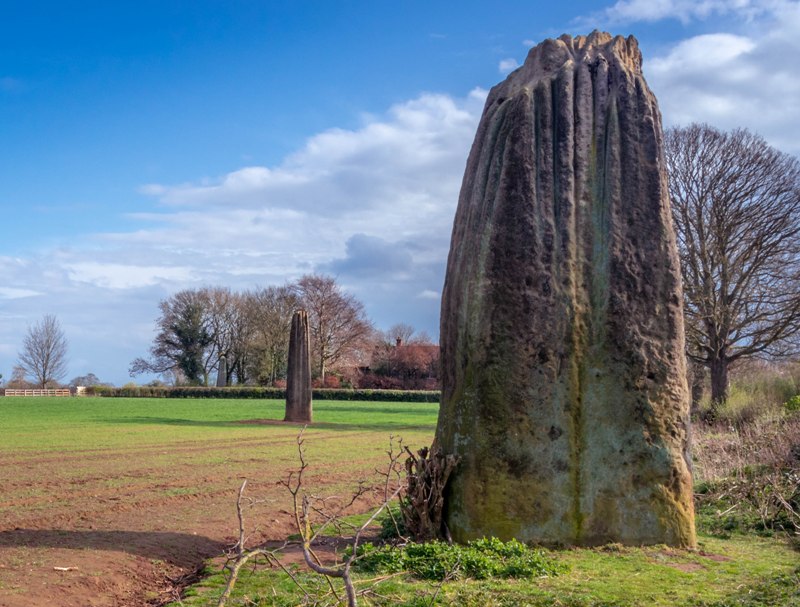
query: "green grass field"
67, 424
116, 485
182, 460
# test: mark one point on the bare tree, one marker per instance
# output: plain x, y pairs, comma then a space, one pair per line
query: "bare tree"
90, 379
242, 350
44, 351
17, 380
270, 312
337, 321
229, 324
406, 334
399, 333
736, 209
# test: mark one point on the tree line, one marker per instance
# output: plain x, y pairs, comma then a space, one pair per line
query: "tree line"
736, 210
735, 204
199, 328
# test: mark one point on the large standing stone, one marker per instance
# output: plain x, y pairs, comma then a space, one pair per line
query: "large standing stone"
298, 379
564, 381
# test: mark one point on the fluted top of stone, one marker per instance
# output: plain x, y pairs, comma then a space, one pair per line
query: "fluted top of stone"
547, 58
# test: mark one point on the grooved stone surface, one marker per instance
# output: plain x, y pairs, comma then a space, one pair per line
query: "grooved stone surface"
564, 381
298, 373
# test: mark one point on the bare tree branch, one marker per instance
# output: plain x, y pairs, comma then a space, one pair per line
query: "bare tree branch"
309, 533
736, 210
337, 321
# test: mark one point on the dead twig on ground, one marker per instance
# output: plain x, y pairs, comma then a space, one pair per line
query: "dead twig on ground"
306, 507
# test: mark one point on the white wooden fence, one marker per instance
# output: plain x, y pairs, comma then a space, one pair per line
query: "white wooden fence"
57, 392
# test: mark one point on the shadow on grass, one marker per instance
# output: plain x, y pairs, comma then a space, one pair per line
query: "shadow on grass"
382, 427
415, 409
385, 419
181, 549
172, 421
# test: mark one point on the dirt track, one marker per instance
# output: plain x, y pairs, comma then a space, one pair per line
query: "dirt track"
123, 527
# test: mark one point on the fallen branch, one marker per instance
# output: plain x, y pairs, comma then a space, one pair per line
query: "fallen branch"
242, 556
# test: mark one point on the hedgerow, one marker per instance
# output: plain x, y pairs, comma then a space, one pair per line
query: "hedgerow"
414, 396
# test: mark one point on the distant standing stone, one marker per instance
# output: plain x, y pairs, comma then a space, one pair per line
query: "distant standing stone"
298, 379
222, 372
564, 382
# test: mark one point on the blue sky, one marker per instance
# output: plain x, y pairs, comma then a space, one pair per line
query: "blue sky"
153, 146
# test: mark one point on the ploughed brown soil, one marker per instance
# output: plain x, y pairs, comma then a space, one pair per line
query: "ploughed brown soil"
128, 527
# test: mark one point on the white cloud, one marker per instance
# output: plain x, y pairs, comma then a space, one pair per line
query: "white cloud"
700, 54
736, 69
12, 293
733, 80
332, 204
507, 65
373, 206
124, 276
346, 170
685, 11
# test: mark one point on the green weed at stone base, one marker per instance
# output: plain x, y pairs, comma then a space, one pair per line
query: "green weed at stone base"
479, 559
